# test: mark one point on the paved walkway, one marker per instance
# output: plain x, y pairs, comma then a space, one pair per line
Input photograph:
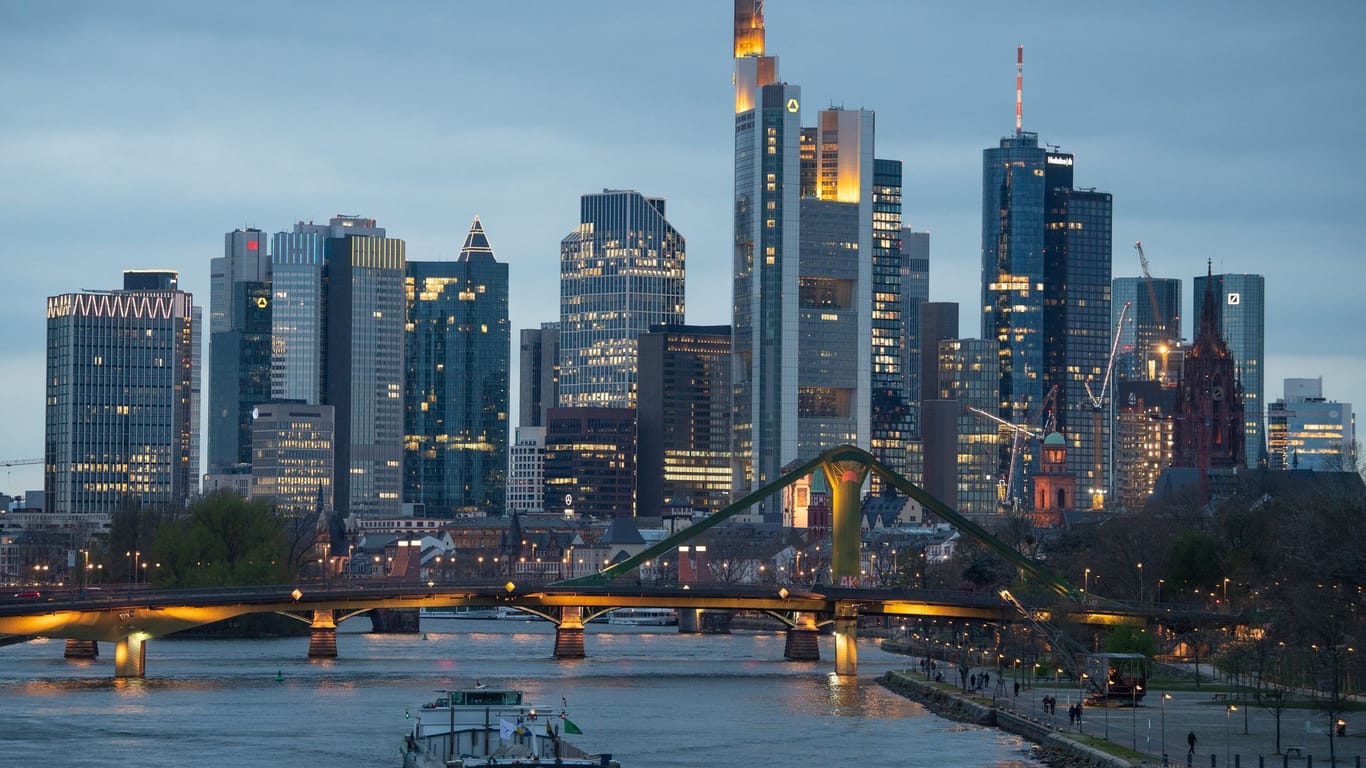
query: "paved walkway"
1247, 732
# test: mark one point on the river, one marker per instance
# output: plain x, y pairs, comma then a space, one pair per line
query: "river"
650, 696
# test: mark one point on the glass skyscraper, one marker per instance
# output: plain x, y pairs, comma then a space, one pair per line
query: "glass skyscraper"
915, 291
804, 261
621, 271
1240, 315
1152, 324
891, 416
364, 310
239, 346
122, 414
456, 389
296, 362
969, 373
1046, 270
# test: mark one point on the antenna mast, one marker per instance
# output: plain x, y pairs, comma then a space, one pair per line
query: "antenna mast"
1019, 90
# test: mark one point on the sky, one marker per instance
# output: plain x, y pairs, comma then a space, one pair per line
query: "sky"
135, 134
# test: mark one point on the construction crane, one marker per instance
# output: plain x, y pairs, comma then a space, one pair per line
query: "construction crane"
19, 462
1097, 403
1158, 318
1019, 433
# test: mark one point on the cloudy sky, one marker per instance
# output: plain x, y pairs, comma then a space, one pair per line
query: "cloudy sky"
135, 134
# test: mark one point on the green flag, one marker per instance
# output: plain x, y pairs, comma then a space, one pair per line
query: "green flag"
569, 727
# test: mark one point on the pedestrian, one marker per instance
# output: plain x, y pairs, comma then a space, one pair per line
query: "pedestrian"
972, 681
1190, 739
1017, 689
986, 679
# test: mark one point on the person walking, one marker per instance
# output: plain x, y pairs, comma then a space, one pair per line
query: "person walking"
1190, 739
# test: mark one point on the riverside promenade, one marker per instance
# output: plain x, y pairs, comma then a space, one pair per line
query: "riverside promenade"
1228, 732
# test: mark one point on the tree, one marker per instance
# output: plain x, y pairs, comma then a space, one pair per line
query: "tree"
223, 540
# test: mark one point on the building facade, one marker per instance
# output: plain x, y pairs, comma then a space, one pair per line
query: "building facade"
1305, 430
891, 415
969, 374
1239, 304
1151, 327
683, 458
539, 373
457, 359
590, 462
526, 471
122, 414
915, 291
1046, 272
1144, 420
239, 346
364, 318
293, 457
621, 272
297, 312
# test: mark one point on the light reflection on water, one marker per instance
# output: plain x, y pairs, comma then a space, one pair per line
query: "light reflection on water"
650, 696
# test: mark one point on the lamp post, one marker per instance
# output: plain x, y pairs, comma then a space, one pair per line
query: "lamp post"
1085, 583
1140, 583
1225, 592
1159, 590
1228, 741
1163, 701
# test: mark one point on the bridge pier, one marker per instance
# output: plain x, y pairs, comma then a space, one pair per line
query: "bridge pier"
689, 621
569, 634
130, 656
803, 642
846, 640
322, 635
82, 649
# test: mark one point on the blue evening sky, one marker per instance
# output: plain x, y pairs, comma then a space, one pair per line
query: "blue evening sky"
134, 134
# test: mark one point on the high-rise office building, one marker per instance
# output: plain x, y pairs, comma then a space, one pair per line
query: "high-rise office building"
539, 372
122, 414
1305, 430
621, 271
1046, 261
293, 457
456, 384
590, 462
1144, 420
239, 346
1151, 327
915, 291
684, 419
969, 374
891, 416
298, 312
803, 290
1240, 318
526, 471
363, 364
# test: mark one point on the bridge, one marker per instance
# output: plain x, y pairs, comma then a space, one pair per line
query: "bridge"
130, 618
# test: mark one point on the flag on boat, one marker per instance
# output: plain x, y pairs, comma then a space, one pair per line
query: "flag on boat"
506, 729
569, 727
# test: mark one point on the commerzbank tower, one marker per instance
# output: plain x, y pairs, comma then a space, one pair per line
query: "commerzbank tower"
817, 259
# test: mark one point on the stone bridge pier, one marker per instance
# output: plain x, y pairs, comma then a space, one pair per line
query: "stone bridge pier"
569, 634
322, 635
803, 639
130, 656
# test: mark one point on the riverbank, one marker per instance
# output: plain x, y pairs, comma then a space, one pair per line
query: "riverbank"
1054, 748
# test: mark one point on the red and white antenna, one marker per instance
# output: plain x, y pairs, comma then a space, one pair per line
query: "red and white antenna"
1019, 90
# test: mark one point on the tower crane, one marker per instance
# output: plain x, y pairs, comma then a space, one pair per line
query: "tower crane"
1158, 317
1019, 433
1097, 403
19, 462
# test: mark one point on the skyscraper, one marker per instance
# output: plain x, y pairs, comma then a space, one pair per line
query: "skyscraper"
621, 271
804, 290
298, 312
891, 418
1046, 260
122, 414
239, 346
969, 375
539, 374
590, 462
1305, 430
684, 419
293, 457
1151, 325
915, 291
363, 363
1240, 318
456, 384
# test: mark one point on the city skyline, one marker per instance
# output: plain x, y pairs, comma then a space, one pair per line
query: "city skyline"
112, 135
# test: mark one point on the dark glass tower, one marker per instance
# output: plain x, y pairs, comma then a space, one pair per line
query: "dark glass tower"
1152, 324
684, 418
891, 419
915, 291
239, 346
456, 387
1046, 296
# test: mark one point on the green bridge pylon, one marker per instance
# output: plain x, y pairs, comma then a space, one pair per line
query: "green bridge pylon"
846, 468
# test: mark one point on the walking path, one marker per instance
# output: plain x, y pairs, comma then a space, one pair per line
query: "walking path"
1223, 726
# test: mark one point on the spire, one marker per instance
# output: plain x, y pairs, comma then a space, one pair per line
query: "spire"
1019, 90
1209, 319
476, 246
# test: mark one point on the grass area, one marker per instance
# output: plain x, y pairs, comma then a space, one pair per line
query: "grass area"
1108, 747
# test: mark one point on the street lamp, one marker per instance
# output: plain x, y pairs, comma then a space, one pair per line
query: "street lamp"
1226, 592
1228, 746
1163, 700
1086, 582
1140, 583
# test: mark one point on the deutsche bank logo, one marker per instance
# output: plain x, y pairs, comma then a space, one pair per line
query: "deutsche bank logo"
1234, 298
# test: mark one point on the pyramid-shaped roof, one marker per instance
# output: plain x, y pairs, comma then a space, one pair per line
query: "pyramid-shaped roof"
476, 246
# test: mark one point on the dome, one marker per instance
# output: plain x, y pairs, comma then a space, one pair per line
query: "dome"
1055, 439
